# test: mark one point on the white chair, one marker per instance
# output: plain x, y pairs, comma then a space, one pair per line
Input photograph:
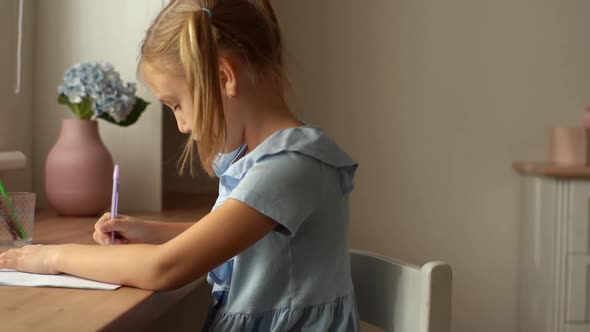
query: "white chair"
399, 297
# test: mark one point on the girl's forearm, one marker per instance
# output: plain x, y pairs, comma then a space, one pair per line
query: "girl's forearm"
162, 232
134, 265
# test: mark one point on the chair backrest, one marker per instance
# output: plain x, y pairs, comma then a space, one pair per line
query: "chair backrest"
400, 297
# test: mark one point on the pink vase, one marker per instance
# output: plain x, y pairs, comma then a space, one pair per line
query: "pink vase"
78, 170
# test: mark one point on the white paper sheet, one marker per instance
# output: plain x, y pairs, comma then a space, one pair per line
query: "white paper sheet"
13, 278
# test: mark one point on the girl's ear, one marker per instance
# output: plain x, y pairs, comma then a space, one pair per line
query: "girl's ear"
228, 78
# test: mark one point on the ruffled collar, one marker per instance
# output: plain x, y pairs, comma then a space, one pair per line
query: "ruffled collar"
307, 140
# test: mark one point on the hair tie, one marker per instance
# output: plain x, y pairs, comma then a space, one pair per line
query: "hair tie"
208, 12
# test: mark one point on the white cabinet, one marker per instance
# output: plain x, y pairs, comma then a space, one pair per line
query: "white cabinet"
555, 250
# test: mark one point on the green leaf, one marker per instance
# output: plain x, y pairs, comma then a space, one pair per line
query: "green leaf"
63, 99
138, 108
83, 110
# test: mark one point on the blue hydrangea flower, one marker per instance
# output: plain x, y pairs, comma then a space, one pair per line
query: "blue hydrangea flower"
103, 86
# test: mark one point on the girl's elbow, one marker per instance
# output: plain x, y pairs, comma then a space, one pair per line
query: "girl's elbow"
167, 275
157, 286
159, 278
154, 276
166, 282
154, 280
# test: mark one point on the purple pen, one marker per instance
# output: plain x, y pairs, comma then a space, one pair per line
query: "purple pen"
115, 199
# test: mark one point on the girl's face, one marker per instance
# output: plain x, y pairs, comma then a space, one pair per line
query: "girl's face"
173, 92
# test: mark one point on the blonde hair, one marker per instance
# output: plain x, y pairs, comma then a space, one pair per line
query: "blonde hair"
187, 40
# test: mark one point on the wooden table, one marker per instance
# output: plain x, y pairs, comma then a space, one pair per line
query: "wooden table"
126, 309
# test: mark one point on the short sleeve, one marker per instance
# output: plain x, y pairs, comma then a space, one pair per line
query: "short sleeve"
285, 187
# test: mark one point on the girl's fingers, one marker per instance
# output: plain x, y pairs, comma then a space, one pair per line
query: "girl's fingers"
113, 225
8, 259
121, 241
105, 226
101, 238
103, 218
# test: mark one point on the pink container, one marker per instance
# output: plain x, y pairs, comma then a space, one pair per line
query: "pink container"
568, 146
78, 170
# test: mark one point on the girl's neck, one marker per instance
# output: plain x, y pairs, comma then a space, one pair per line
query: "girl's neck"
264, 114
260, 128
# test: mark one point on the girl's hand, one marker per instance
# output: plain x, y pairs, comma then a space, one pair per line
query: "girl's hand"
34, 259
129, 230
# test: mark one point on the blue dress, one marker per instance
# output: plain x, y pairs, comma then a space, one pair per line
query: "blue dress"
296, 278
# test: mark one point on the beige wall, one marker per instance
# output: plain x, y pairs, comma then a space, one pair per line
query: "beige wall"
16, 110
71, 31
435, 99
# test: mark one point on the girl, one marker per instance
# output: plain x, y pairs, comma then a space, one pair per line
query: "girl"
275, 242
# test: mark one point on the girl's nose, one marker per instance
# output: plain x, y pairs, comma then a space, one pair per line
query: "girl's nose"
184, 129
182, 126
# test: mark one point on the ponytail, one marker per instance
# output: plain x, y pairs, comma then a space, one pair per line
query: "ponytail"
199, 58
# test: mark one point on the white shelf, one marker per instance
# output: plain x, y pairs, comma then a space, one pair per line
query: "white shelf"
12, 160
